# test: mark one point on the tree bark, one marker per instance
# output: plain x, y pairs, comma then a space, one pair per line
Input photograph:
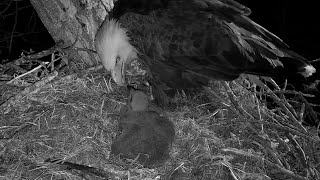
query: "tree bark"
67, 19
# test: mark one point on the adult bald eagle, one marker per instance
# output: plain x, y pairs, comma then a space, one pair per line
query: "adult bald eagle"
184, 43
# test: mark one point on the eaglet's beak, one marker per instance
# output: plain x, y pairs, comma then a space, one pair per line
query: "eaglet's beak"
118, 74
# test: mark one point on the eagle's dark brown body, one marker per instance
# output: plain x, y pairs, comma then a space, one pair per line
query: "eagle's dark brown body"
184, 43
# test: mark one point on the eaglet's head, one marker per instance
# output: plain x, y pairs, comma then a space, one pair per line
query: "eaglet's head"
114, 49
137, 100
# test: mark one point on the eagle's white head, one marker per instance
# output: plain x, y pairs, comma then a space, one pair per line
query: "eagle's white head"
114, 49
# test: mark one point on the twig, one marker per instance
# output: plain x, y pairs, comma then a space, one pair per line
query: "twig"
289, 92
301, 113
282, 97
285, 108
267, 150
261, 159
299, 150
235, 102
6, 107
26, 58
237, 106
308, 108
82, 168
283, 128
315, 60
29, 72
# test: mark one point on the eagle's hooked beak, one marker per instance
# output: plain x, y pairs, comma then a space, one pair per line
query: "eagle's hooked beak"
118, 74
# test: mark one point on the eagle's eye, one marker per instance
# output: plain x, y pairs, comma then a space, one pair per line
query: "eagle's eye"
117, 59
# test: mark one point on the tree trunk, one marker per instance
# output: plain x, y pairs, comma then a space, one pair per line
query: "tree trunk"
67, 19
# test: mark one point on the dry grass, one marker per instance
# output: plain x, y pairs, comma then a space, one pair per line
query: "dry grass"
223, 132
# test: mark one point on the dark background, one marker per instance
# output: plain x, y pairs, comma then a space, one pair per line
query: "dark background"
295, 22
